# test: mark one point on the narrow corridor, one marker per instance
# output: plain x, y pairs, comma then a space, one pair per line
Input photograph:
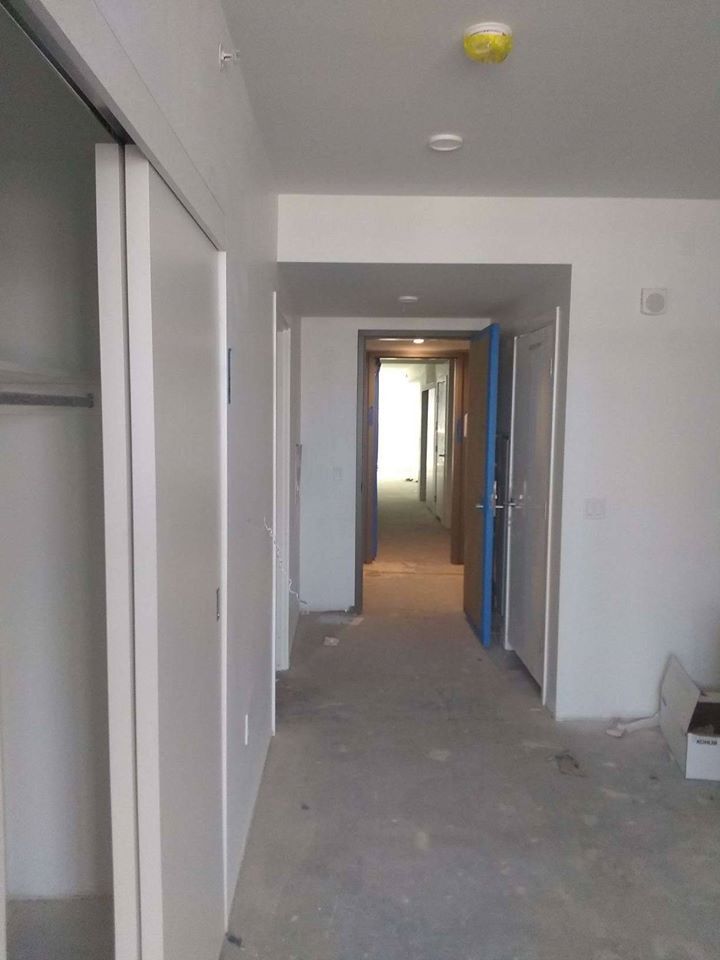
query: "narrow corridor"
419, 804
412, 573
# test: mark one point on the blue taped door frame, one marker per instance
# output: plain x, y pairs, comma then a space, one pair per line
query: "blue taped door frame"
479, 480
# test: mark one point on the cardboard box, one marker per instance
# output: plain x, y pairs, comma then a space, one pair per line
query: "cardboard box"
690, 722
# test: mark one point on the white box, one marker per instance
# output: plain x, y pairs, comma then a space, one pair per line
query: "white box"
690, 722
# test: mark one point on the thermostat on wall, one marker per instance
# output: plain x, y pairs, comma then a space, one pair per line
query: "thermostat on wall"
653, 300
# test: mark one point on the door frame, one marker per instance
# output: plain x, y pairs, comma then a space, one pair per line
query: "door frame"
422, 472
554, 495
361, 419
281, 489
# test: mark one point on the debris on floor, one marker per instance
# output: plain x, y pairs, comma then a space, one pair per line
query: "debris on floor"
233, 939
356, 621
690, 722
568, 765
620, 727
331, 641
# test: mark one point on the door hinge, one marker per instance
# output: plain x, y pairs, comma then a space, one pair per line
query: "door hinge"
217, 604
229, 375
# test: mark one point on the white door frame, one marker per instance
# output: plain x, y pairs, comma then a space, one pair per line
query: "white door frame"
281, 506
117, 484
550, 519
551, 525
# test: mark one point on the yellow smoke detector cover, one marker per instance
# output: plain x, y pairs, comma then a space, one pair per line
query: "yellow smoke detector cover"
488, 42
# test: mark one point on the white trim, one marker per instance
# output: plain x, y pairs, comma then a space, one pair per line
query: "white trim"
224, 693
551, 498
508, 512
115, 411
273, 551
144, 486
282, 482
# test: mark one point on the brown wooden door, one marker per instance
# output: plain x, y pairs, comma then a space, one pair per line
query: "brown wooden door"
479, 458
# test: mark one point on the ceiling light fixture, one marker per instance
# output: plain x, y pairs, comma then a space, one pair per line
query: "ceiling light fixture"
418, 340
408, 298
445, 142
488, 42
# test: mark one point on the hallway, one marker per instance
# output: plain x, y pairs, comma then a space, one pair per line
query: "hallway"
412, 574
419, 804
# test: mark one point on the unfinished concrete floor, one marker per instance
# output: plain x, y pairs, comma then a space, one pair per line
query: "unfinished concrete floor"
419, 804
412, 571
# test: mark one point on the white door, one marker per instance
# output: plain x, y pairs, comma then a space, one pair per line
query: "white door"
430, 485
530, 496
441, 396
174, 314
114, 364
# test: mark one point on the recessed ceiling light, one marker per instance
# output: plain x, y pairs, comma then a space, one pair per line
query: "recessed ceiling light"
445, 142
408, 298
418, 340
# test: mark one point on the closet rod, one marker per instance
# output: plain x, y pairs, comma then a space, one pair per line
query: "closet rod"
45, 400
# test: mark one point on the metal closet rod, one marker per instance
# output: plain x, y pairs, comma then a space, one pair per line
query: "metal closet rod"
45, 400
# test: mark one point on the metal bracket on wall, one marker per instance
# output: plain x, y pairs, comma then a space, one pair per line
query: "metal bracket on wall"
45, 400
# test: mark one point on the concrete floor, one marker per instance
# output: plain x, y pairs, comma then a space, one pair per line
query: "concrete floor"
412, 572
419, 804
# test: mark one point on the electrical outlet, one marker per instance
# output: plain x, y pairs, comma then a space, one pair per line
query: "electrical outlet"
595, 509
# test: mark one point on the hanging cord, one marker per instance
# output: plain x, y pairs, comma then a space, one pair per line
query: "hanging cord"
281, 564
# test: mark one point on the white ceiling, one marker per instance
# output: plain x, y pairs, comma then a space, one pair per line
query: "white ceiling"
444, 289
598, 98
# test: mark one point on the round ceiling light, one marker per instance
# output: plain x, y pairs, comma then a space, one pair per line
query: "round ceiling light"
445, 142
408, 298
488, 42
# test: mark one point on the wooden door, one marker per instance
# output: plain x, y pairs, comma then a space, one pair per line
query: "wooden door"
479, 479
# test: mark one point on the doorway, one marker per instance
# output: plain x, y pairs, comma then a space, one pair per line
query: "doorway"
411, 570
429, 436
412, 472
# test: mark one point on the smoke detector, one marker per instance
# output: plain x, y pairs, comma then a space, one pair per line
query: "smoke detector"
488, 42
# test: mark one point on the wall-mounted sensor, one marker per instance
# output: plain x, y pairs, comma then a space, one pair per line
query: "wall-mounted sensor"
653, 301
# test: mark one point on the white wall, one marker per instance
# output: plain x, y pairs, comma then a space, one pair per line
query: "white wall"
157, 66
643, 404
329, 437
53, 684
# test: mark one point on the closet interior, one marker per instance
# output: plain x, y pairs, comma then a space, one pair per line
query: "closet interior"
53, 680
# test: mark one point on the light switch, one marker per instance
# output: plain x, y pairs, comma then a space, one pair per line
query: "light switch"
595, 509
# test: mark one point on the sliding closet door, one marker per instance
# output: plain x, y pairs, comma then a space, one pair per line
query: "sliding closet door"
115, 409
174, 327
